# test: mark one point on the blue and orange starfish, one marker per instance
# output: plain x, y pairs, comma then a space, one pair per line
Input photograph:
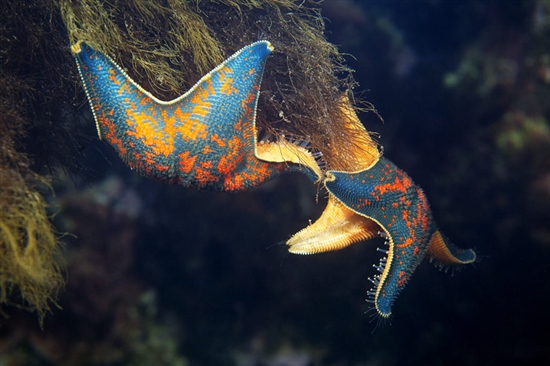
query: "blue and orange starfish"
378, 199
386, 195
207, 139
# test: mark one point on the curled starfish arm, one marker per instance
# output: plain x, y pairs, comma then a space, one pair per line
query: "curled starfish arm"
283, 151
388, 196
337, 228
205, 138
444, 253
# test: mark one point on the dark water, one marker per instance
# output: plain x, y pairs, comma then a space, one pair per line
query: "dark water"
160, 275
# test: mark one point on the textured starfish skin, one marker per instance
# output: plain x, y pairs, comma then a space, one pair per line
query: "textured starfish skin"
388, 196
376, 199
206, 138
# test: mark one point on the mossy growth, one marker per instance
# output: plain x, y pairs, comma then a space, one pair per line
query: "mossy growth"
30, 264
28, 247
168, 46
34, 80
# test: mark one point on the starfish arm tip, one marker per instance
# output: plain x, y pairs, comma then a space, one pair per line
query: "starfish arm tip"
446, 253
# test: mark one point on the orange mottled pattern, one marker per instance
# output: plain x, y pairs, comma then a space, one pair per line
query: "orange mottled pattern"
203, 139
387, 195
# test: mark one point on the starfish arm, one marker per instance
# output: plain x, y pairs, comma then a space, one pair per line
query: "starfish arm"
386, 195
283, 151
444, 253
206, 138
337, 228
365, 151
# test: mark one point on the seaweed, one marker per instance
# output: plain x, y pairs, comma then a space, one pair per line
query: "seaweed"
30, 263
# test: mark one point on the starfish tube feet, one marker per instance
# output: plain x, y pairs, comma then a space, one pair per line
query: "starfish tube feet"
388, 196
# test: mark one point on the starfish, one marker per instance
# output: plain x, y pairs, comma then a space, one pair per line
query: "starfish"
206, 138
378, 199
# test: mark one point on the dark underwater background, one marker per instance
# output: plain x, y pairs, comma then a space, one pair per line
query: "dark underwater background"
161, 275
